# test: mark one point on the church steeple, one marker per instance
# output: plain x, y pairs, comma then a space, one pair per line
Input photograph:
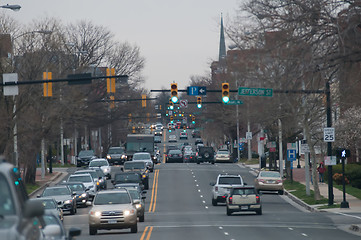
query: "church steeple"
222, 44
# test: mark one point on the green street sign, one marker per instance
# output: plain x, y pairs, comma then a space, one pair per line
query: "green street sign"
234, 102
263, 92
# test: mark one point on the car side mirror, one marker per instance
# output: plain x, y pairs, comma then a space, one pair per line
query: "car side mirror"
38, 196
33, 209
136, 201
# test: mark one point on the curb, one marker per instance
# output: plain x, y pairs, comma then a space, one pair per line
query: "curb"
52, 179
300, 202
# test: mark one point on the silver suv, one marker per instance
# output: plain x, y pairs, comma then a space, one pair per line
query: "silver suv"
19, 216
222, 187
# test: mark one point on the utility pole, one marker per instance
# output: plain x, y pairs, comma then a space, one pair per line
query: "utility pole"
329, 144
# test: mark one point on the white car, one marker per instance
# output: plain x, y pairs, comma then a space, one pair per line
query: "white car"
146, 157
172, 138
87, 180
222, 187
101, 163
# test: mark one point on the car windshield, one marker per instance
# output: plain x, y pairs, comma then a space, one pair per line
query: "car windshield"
56, 191
76, 187
112, 198
93, 173
270, 174
134, 165
127, 178
134, 194
222, 152
86, 153
49, 204
244, 191
80, 179
115, 151
175, 152
229, 180
141, 156
98, 163
6, 199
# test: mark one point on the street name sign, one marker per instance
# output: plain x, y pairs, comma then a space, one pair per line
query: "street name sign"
196, 90
234, 102
263, 92
329, 134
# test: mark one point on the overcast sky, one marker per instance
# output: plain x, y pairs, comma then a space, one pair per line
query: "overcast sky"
178, 39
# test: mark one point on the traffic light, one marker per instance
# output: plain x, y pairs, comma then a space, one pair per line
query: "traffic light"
225, 92
193, 119
144, 100
47, 87
170, 129
110, 81
171, 107
171, 119
199, 102
130, 117
174, 92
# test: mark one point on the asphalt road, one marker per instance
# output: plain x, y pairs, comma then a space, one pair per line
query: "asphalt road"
178, 207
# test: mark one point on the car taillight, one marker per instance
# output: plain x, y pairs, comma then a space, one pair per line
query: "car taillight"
261, 180
279, 181
216, 188
258, 199
230, 200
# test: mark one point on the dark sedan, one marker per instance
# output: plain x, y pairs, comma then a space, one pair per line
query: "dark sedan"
175, 156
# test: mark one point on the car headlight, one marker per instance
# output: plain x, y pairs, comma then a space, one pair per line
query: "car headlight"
106, 170
123, 156
109, 157
68, 201
128, 212
96, 213
138, 205
83, 195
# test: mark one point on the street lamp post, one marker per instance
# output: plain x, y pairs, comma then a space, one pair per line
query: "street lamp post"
14, 7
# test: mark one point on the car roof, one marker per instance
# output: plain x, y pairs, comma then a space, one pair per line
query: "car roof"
57, 186
229, 175
82, 174
112, 191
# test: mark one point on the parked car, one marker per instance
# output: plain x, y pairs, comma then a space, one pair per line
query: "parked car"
146, 157
50, 206
242, 199
82, 195
101, 163
205, 154
112, 209
223, 156
222, 187
116, 156
269, 181
175, 156
84, 157
19, 215
53, 228
63, 196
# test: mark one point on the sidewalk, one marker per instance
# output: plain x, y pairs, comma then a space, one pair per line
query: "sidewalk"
46, 181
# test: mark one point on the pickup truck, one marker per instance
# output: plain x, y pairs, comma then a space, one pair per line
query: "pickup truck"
243, 199
222, 187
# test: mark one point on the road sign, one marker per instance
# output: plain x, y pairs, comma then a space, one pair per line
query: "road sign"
330, 160
249, 135
243, 140
291, 146
329, 134
263, 92
304, 148
195, 90
183, 103
234, 102
291, 155
10, 90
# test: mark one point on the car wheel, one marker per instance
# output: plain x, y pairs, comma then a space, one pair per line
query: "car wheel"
213, 162
198, 162
259, 211
92, 231
141, 218
134, 229
214, 202
229, 212
280, 192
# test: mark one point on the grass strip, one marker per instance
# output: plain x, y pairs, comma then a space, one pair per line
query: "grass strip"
31, 187
299, 190
356, 192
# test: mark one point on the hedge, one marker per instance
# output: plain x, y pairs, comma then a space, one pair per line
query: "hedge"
352, 173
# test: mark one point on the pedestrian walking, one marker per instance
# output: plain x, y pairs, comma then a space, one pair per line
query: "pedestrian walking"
321, 170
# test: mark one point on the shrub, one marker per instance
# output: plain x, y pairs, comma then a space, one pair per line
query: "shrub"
337, 177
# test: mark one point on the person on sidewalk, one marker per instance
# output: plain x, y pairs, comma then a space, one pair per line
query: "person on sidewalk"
321, 170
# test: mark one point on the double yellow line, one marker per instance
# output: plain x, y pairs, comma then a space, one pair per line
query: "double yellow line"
153, 200
145, 233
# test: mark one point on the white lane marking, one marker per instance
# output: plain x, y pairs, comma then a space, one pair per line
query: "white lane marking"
194, 176
348, 215
226, 233
304, 234
201, 195
220, 228
197, 185
195, 180
199, 190
290, 229
206, 207
204, 201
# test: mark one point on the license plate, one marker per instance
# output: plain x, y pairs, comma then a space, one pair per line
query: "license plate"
112, 221
244, 207
270, 181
